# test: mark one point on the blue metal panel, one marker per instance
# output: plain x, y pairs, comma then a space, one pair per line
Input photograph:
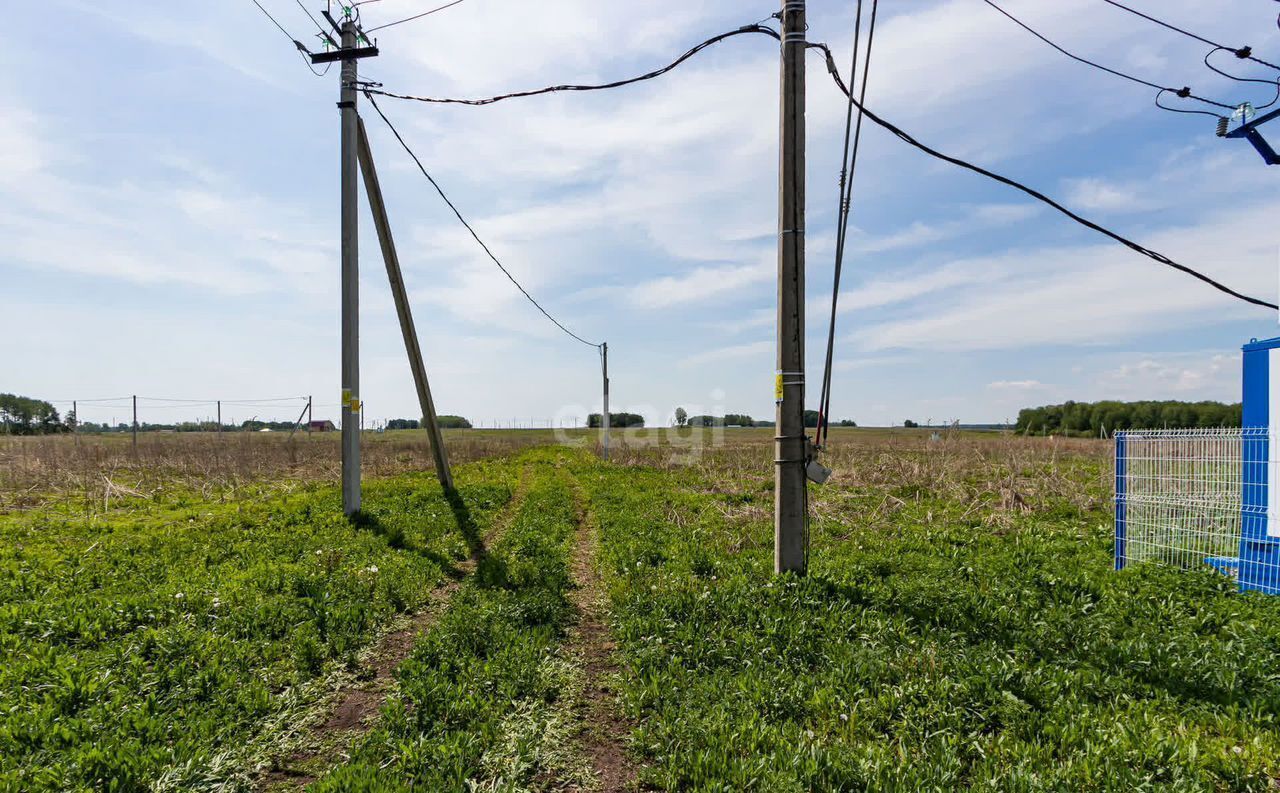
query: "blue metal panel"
1259, 554
1121, 442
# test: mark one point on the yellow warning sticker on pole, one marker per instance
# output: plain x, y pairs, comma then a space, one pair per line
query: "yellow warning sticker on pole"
346, 396
777, 387
355, 404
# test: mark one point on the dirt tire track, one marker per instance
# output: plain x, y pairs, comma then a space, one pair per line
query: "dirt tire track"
355, 707
605, 733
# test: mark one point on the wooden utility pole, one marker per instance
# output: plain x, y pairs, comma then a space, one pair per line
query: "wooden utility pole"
791, 447
604, 417
407, 329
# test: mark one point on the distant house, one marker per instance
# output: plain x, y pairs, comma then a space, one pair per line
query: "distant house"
321, 425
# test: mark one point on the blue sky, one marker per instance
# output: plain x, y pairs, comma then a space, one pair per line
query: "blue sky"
168, 173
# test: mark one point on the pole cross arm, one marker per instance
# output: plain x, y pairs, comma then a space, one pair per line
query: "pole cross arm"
346, 53
1249, 131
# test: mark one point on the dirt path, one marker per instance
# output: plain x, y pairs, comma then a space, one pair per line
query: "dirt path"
604, 734
356, 705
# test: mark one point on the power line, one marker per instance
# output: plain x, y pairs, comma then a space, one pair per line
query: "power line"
302, 48
756, 28
1036, 194
848, 167
313, 19
410, 19
464, 222
1273, 83
1183, 92
1241, 52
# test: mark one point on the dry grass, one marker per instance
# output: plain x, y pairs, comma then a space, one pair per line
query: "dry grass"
979, 469
36, 471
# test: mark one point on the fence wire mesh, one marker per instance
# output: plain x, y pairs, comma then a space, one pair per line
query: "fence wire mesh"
1181, 495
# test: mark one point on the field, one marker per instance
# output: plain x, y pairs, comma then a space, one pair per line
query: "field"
198, 616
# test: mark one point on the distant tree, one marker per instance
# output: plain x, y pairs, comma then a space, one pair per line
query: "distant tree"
909, 424
681, 417
811, 418
1092, 418
452, 422
596, 421
21, 415
739, 420
402, 424
848, 423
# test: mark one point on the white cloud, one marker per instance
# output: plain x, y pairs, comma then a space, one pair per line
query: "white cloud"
753, 349
1015, 385
1098, 294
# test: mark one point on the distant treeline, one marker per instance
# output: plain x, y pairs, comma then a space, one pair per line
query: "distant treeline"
21, 415
743, 420
595, 420
445, 422
1093, 418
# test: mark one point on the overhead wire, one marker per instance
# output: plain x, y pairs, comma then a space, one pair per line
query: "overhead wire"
1183, 92
754, 28
410, 19
302, 48
1272, 83
1036, 194
463, 220
1245, 52
848, 167
1156, 256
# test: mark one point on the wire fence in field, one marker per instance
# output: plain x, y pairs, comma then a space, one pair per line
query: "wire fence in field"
1196, 497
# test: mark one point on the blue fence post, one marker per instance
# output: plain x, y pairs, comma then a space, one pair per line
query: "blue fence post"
1121, 488
1259, 551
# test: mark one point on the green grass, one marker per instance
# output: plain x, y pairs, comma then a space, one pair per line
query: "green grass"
927, 652
961, 628
482, 701
149, 646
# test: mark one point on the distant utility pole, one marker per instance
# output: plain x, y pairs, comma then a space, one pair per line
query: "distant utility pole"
407, 329
791, 450
604, 417
310, 416
219, 416
348, 53
135, 422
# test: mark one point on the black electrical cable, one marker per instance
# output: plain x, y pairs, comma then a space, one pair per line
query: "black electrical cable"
1272, 83
1184, 92
1036, 194
1241, 52
757, 28
1183, 110
415, 16
848, 167
302, 49
467, 225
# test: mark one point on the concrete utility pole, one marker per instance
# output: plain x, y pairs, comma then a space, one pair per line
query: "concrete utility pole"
219, 417
791, 450
349, 53
350, 281
310, 416
135, 423
374, 192
604, 417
